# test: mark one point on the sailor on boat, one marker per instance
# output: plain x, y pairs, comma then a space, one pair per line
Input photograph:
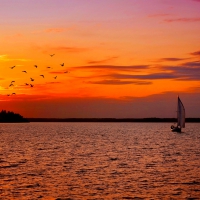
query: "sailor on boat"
176, 128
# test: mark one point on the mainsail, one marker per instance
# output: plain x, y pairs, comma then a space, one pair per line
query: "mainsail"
180, 114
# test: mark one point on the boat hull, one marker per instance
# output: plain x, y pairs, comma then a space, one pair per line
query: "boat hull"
175, 129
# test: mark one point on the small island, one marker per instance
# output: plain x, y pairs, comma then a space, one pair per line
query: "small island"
11, 117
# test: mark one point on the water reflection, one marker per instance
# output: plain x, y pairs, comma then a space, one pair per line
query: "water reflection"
98, 161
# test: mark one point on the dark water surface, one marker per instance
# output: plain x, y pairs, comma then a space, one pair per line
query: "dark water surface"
96, 161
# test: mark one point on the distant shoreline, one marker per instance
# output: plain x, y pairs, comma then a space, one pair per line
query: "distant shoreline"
195, 120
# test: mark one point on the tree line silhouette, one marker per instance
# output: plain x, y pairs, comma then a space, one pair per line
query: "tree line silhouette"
8, 116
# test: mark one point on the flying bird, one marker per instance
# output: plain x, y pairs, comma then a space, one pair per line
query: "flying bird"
13, 93
55, 77
12, 81
31, 85
66, 72
62, 64
26, 84
42, 75
11, 85
12, 67
32, 79
35, 66
49, 67
52, 55
24, 71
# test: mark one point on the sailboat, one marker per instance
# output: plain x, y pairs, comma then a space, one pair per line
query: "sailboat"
180, 117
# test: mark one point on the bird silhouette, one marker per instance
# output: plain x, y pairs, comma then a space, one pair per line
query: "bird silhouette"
32, 79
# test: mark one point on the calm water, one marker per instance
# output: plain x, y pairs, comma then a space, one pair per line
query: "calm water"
72, 161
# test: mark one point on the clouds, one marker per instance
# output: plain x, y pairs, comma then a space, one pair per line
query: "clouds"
151, 76
195, 64
110, 74
119, 82
171, 18
188, 71
171, 59
142, 74
184, 19
196, 53
132, 68
110, 59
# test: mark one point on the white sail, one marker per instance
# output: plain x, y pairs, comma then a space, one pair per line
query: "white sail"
180, 114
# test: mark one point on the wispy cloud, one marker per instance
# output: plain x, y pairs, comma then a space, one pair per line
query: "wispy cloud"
195, 64
172, 59
197, 19
186, 71
152, 76
114, 67
119, 82
196, 53
103, 60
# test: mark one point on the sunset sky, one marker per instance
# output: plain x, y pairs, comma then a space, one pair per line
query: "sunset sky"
122, 58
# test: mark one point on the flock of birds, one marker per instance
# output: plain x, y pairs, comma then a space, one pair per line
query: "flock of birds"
32, 79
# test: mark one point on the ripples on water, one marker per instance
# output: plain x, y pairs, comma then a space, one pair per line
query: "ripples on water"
96, 161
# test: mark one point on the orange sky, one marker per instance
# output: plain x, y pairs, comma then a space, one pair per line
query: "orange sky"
127, 52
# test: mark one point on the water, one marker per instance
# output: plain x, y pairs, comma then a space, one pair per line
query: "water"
96, 161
